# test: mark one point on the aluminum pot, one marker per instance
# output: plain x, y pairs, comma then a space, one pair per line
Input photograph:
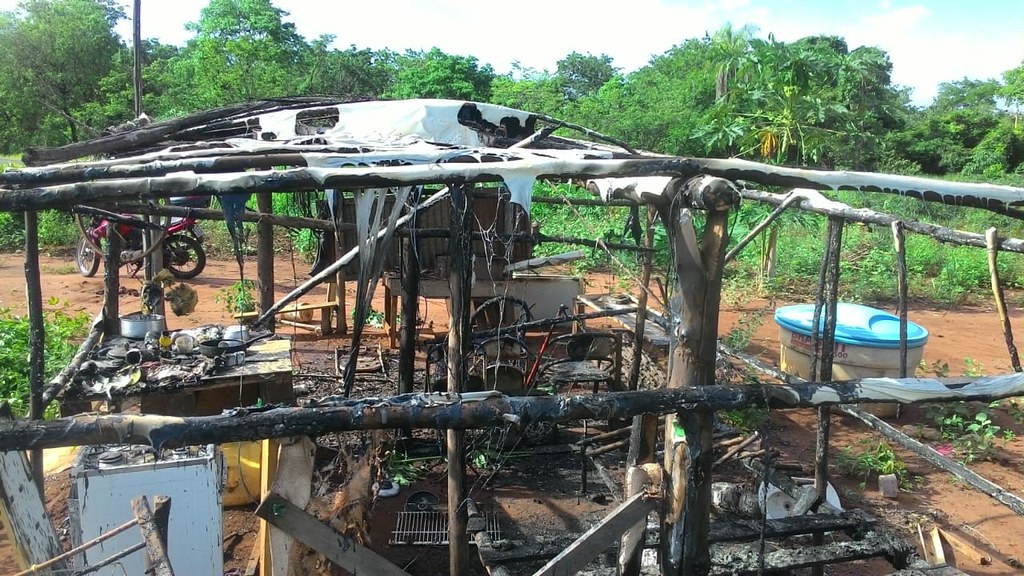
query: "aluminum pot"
136, 325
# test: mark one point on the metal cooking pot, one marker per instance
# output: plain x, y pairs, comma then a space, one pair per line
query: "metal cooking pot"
136, 325
215, 348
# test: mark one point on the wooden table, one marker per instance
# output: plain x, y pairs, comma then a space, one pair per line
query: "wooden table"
266, 375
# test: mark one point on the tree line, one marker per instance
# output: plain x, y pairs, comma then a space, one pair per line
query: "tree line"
66, 75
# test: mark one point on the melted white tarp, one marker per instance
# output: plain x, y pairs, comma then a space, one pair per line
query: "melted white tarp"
392, 120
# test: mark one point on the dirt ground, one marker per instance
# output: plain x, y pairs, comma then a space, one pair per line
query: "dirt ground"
965, 338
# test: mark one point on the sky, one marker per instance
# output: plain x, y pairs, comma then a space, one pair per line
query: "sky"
928, 41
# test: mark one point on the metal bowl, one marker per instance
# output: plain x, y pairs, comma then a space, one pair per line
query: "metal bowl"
136, 325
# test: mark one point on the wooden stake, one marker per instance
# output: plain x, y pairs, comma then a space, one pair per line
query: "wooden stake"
899, 243
992, 241
830, 287
154, 531
137, 53
36, 335
112, 285
265, 255
460, 262
410, 309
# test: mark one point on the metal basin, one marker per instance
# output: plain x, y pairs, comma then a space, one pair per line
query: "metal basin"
136, 325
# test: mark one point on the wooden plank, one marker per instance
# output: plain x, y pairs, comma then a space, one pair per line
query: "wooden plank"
23, 513
962, 549
154, 537
599, 538
338, 548
292, 480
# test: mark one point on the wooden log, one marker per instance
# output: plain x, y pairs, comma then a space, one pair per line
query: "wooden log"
265, 256
246, 216
137, 55
991, 239
617, 445
460, 258
788, 200
1005, 497
855, 521
736, 449
964, 194
600, 537
638, 480
36, 335
111, 286
154, 536
155, 133
544, 238
818, 204
745, 560
410, 313
476, 410
899, 244
830, 290
63, 378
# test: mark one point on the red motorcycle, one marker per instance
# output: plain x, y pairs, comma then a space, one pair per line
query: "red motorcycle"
181, 240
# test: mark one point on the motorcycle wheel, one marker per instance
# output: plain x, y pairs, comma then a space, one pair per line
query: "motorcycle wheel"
87, 259
184, 256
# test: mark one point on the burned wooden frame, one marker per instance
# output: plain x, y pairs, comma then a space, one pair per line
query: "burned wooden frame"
690, 396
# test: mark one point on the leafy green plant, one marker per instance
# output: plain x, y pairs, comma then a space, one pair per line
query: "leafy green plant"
238, 298
61, 329
374, 318
973, 368
972, 434
746, 419
740, 335
871, 460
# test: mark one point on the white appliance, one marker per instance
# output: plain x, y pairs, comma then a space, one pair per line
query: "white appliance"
105, 479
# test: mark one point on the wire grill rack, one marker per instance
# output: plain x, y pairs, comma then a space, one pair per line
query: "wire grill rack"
430, 528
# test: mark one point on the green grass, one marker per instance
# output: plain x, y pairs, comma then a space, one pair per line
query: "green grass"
61, 328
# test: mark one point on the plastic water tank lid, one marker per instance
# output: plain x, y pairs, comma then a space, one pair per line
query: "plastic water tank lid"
856, 324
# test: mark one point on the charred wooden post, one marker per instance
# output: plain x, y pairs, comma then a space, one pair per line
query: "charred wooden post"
112, 285
59, 382
992, 240
137, 55
153, 243
644, 434
36, 335
410, 306
153, 524
265, 255
460, 259
900, 245
688, 459
830, 288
